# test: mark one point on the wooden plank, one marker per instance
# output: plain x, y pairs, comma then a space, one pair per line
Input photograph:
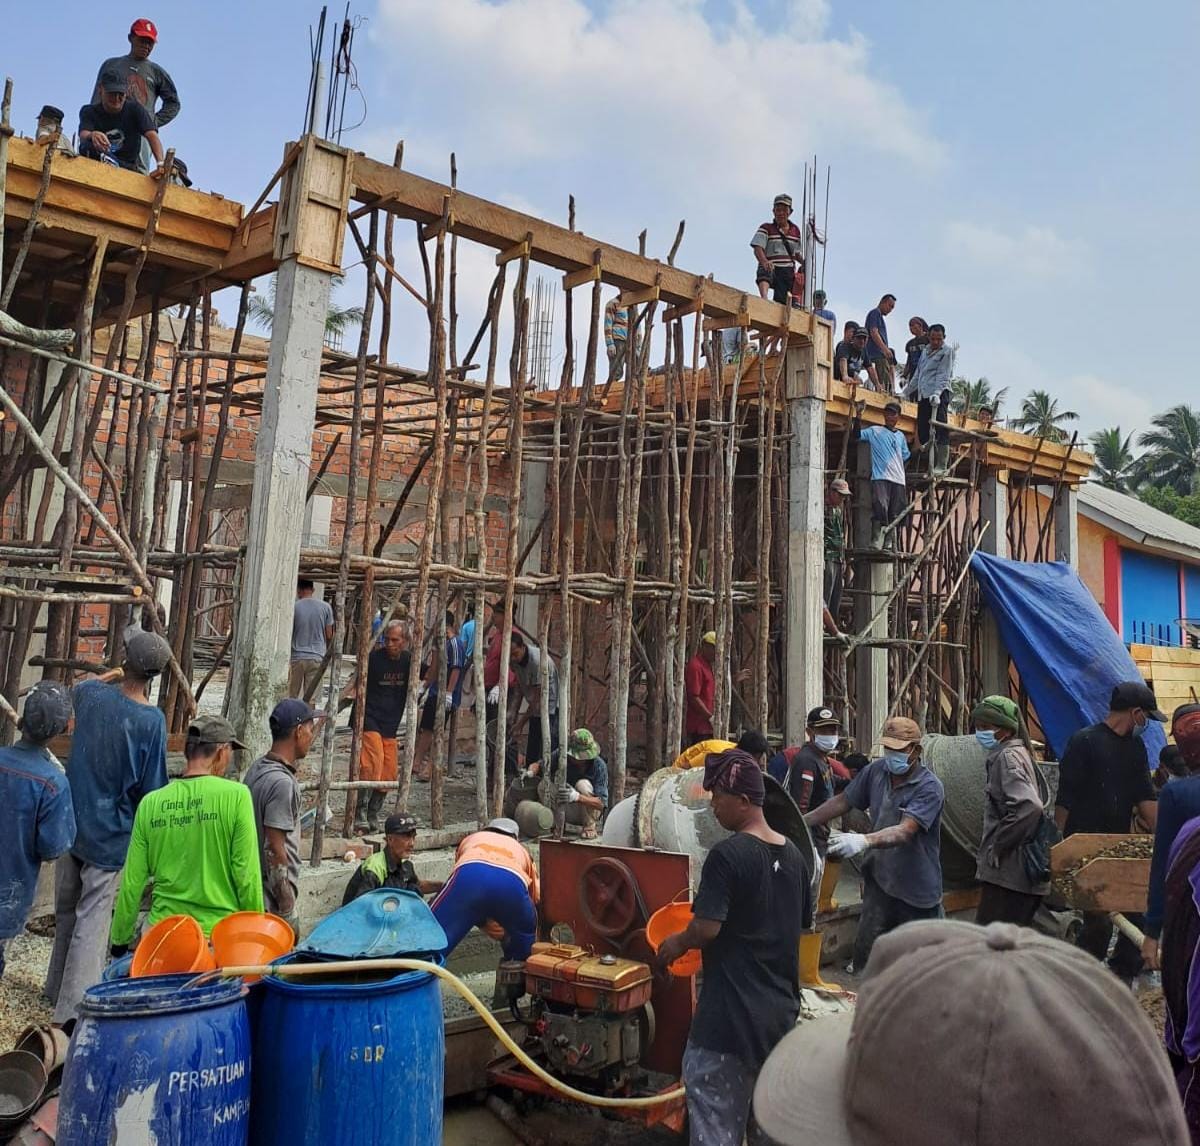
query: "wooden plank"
413, 197
1159, 655
579, 278
61, 745
638, 297
1165, 671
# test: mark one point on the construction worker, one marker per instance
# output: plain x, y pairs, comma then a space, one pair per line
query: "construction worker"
113, 128
779, 251
118, 757
312, 630
583, 792
275, 792
881, 359
494, 885
889, 452
700, 692
195, 840
1012, 814
37, 821
393, 866
149, 84
427, 698
749, 912
836, 494
525, 658
388, 669
902, 876
931, 384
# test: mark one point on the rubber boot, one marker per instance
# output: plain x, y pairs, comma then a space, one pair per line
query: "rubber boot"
829, 881
810, 963
374, 806
941, 458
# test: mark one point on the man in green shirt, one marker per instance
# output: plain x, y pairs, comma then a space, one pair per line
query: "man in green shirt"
195, 838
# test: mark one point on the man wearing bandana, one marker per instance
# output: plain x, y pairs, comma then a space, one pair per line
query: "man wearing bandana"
753, 903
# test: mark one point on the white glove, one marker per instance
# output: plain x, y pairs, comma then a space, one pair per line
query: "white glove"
493, 696
421, 694
449, 701
847, 844
567, 794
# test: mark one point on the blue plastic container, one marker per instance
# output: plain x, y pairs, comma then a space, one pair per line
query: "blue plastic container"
151, 1061
348, 1059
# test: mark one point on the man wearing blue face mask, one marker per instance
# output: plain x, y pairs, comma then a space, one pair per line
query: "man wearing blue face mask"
902, 868
1103, 779
1012, 812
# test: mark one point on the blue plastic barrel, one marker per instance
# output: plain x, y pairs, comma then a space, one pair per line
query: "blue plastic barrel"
152, 1060
355, 1060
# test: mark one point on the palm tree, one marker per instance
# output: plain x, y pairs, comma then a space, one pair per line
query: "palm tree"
337, 321
1040, 416
1115, 466
1172, 457
966, 396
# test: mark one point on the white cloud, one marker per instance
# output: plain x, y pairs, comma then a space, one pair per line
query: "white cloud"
1028, 252
649, 88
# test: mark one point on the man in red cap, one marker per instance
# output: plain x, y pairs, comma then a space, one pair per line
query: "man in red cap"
149, 84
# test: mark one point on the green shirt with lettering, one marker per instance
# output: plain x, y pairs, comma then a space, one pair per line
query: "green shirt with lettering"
196, 839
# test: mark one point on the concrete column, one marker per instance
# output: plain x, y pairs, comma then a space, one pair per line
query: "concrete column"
993, 509
282, 458
873, 581
1066, 526
530, 512
805, 686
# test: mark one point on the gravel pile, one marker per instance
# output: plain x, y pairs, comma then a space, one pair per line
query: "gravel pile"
26, 958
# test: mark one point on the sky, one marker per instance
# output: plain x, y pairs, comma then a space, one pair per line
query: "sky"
1023, 173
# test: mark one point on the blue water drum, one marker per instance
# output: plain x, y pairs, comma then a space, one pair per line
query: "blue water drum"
356, 1060
156, 1061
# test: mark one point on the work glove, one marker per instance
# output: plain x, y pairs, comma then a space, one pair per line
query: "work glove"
449, 701
847, 844
493, 696
567, 794
421, 695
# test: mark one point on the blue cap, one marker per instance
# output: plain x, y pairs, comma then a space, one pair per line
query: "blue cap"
291, 713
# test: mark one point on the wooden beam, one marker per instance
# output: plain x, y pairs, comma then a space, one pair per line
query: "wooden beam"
579, 278
637, 297
510, 254
412, 197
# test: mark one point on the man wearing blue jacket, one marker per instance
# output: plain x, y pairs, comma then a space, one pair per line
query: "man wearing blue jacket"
37, 822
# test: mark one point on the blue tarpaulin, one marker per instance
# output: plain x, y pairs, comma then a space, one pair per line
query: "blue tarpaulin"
1067, 653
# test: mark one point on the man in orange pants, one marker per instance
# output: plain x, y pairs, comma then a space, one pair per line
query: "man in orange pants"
387, 688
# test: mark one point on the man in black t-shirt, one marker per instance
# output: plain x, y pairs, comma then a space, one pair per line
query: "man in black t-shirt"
114, 126
849, 354
387, 690
751, 907
1103, 779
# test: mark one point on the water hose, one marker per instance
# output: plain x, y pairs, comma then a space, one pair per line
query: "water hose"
477, 1006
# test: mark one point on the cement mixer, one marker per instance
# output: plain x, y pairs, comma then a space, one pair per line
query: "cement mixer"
674, 813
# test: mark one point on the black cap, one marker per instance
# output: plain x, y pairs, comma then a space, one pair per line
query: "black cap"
290, 714
893, 405
47, 711
822, 715
49, 111
1136, 694
147, 654
114, 82
400, 824
179, 170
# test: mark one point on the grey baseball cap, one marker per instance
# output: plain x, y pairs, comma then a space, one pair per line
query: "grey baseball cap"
146, 653
47, 711
213, 729
965, 1035
114, 82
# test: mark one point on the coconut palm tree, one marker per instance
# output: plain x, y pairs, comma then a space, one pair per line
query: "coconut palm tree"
1115, 466
1040, 416
1172, 456
337, 321
967, 396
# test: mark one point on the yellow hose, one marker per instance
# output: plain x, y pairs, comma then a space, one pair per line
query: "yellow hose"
482, 1011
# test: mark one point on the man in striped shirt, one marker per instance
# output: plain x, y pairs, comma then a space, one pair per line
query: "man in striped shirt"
778, 246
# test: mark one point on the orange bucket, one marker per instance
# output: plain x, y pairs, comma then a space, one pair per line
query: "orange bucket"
668, 920
173, 946
251, 937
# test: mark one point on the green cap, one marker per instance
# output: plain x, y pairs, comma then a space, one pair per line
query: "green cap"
213, 729
582, 745
998, 710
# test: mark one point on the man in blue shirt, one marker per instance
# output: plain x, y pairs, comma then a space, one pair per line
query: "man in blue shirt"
931, 381
902, 871
889, 452
881, 359
823, 311
36, 818
118, 755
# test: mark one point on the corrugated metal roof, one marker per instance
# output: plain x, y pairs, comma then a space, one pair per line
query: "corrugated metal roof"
1138, 521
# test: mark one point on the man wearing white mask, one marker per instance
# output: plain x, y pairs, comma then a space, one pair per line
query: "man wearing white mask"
902, 864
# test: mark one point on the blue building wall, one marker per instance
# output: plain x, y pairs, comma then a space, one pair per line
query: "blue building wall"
1150, 598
